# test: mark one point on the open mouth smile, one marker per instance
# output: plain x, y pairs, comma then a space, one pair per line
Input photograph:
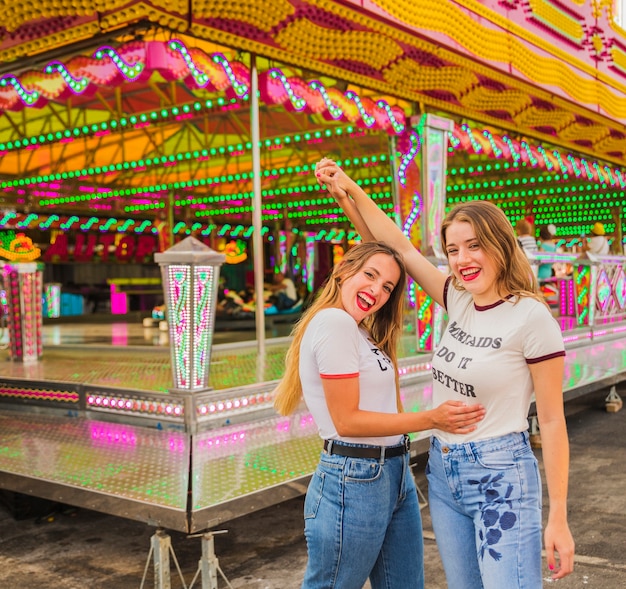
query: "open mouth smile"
469, 274
364, 301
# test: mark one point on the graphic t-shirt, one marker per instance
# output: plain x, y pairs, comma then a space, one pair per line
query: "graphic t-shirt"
333, 346
483, 357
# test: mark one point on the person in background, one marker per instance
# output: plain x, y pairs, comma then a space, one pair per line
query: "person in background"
597, 243
284, 294
361, 511
546, 244
304, 294
501, 345
525, 237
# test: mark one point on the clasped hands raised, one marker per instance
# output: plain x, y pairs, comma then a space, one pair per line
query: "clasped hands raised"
331, 177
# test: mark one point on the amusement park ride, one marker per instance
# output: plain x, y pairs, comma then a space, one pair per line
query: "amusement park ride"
133, 128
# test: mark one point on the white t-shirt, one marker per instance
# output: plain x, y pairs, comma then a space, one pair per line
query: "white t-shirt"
333, 346
483, 358
598, 245
290, 289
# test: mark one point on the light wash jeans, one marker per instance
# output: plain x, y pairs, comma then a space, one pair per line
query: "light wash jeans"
485, 504
362, 519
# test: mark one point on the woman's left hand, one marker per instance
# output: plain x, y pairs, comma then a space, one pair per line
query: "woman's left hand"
558, 540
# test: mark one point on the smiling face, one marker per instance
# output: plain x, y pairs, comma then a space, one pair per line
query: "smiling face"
370, 288
472, 266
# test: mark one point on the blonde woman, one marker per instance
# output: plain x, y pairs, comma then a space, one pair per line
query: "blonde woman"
361, 511
500, 345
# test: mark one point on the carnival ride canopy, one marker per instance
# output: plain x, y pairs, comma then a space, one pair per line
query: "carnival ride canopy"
127, 131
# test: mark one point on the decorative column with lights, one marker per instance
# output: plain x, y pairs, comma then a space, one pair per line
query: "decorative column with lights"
433, 153
52, 298
22, 278
190, 272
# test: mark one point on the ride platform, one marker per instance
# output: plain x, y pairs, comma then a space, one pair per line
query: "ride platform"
96, 426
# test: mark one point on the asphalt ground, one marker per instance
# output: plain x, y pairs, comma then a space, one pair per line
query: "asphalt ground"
74, 549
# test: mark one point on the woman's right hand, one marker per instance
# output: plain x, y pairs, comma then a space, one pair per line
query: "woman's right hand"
456, 417
331, 177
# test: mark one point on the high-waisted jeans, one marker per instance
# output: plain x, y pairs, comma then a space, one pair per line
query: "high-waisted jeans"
485, 504
362, 519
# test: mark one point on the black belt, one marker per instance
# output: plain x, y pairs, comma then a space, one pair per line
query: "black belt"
377, 452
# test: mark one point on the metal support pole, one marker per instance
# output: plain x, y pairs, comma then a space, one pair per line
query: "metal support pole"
257, 239
160, 549
208, 565
613, 401
170, 217
160, 545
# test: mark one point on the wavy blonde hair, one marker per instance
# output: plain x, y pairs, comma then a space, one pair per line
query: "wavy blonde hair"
384, 326
495, 235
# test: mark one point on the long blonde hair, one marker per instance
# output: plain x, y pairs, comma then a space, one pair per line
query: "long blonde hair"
384, 326
495, 235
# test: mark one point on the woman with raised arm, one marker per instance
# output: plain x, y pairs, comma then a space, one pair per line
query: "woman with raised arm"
500, 345
361, 512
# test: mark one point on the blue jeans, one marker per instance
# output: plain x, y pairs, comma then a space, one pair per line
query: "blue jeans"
362, 519
485, 504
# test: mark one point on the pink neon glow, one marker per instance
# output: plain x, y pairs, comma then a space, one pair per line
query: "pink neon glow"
119, 334
46, 193
306, 421
177, 444
224, 440
119, 302
283, 426
113, 435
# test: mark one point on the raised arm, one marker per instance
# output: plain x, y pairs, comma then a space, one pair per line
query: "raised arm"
372, 223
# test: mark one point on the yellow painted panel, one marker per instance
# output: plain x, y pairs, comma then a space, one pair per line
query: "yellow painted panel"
481, 98
557, 19
408, 74
262, 15
535, 117
577, 131
311, 40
